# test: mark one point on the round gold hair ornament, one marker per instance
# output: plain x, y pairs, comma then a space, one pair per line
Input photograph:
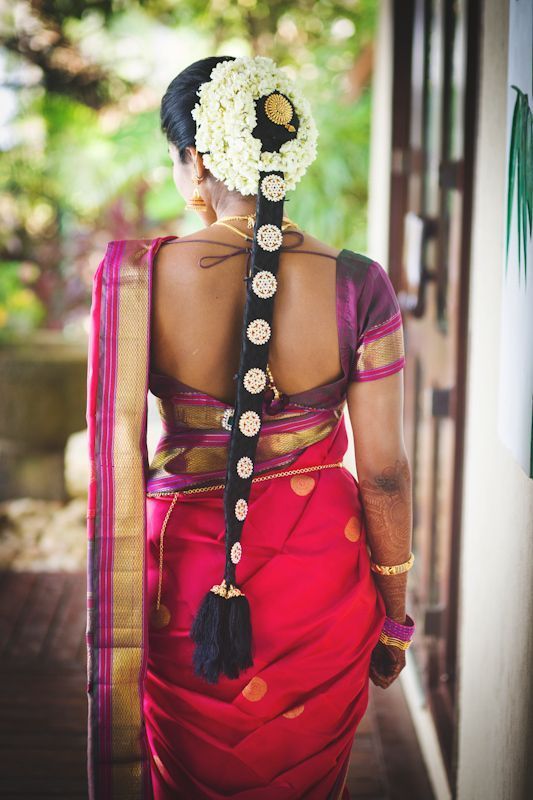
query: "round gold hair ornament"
279, 110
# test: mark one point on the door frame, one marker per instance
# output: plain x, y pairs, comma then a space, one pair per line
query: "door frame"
443, 705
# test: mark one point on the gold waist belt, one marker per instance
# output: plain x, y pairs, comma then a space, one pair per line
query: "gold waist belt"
171, 492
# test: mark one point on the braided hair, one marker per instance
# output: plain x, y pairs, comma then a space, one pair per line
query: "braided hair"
222, 629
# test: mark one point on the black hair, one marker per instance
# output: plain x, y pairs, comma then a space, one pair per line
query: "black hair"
222, 629
179, 100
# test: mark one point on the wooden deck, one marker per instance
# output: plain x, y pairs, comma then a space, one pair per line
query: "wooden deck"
43, 709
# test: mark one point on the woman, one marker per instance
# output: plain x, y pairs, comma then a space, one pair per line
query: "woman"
206, 680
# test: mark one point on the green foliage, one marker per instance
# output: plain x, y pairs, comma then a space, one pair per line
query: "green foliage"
86, 161
520, 177
20, 309
331, 202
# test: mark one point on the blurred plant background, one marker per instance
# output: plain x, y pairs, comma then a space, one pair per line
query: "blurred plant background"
82, 157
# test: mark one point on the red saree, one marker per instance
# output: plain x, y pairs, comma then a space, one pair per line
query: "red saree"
285, 728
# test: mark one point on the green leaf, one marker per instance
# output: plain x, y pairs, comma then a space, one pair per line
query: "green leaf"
511, 173
520, 174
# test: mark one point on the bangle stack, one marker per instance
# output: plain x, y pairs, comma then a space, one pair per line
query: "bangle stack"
398, 635
395, 633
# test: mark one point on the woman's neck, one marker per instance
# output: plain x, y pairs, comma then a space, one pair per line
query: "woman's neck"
234, 206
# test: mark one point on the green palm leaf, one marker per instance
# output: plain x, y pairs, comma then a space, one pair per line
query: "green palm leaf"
520, 177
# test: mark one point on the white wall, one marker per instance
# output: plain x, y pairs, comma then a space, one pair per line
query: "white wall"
496, 602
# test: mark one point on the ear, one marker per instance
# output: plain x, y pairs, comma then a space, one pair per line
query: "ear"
201, 169
190, 152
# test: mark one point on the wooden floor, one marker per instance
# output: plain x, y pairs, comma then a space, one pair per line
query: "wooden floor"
43, 710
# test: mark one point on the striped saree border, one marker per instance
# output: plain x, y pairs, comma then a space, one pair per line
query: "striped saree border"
118, 762
381, 351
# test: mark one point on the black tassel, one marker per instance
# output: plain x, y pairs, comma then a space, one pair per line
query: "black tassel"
208, 632
239, 645
222, 632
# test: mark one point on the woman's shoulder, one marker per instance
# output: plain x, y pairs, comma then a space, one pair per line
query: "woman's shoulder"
366, 274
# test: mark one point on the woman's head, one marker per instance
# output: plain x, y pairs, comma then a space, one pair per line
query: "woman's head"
179, 126
228, 120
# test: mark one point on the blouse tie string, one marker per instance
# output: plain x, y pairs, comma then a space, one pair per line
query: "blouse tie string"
236, 250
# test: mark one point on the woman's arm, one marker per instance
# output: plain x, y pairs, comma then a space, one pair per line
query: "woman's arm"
376, 415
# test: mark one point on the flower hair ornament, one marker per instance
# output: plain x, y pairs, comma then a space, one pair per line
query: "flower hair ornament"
256, 135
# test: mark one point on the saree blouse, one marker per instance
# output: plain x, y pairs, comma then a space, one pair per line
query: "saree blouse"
196, 427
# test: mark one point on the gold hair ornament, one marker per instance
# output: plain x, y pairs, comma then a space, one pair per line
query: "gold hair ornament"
279, 110
224, 591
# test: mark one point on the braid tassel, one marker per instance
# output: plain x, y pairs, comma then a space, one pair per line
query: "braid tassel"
239, 652
222, 632
209, 631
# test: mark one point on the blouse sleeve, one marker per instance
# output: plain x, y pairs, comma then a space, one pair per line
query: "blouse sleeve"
379, 344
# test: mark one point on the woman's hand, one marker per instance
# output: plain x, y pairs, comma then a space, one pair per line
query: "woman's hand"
386, 663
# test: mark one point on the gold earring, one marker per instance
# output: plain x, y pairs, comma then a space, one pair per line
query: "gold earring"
197, 202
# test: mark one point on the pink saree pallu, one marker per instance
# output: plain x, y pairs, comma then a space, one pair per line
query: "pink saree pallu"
117, 630
283, 730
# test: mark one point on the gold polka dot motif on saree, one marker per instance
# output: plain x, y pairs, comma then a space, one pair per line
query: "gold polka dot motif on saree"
255, 689
352, 529
292, 713
302, 484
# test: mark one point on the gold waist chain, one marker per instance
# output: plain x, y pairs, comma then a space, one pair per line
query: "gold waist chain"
160, 614
170, 492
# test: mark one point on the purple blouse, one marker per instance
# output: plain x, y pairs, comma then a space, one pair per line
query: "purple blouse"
192, 450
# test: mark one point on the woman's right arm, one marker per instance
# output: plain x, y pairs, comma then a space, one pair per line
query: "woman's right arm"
384, 475
375, 405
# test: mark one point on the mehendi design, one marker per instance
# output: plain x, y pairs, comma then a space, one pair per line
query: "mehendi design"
388, 513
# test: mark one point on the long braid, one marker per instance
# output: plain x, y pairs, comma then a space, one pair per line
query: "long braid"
222, 628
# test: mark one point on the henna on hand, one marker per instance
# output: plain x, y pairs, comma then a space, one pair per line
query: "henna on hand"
387, 506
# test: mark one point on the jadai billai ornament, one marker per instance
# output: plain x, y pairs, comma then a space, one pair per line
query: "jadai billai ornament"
261, 137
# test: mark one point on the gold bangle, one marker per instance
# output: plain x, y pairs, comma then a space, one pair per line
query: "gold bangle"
390, 640
393, 569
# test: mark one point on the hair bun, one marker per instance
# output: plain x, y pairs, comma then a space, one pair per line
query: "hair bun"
277, 121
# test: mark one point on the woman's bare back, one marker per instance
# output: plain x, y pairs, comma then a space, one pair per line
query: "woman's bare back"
197, 314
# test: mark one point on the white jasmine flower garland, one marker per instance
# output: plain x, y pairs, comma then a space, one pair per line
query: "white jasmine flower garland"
225, 118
